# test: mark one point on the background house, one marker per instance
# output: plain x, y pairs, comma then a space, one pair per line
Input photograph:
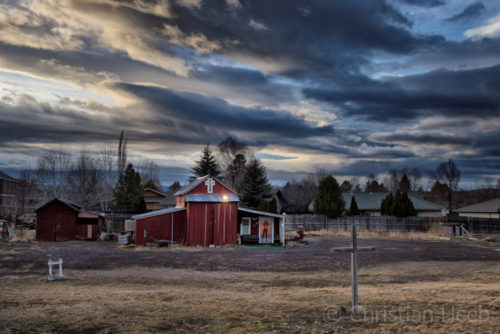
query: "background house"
486, 209
17, 197
157, 200
369, 203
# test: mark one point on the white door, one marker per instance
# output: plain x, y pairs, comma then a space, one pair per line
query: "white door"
266, 230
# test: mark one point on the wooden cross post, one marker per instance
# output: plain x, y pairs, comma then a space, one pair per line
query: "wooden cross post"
354, 265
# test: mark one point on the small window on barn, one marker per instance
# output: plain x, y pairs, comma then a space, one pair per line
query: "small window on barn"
245, 226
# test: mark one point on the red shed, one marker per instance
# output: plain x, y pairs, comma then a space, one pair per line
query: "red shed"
212, 212
62, 220
166, 224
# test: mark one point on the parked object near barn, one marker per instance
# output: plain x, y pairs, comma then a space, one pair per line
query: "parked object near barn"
62, 220
207, 215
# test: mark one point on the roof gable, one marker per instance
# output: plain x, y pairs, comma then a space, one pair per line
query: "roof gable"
156, 192
67, 203
201, 186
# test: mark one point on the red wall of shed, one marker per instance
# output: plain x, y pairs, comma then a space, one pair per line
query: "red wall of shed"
159, 228
211, 224
55, 222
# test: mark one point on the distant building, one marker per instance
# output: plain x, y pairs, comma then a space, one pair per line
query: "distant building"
16, 197
369, 203
62, 220
7, 193
486, 209
156, 200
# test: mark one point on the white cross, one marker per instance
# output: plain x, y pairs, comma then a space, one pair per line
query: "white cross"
210, 185
354, 265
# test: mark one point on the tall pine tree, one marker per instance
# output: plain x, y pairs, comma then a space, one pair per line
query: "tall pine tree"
129, 192
254, 187
353, 209
329, 199
207, 165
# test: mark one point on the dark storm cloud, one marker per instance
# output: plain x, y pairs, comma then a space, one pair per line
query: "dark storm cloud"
469, 12
425, 138
425, 3
471, 93
339, 35
193, 109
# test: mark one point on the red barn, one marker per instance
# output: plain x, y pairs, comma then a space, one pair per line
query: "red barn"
62, 220
206, 215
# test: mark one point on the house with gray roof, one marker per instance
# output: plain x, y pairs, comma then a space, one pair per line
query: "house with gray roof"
486, 209
369, 203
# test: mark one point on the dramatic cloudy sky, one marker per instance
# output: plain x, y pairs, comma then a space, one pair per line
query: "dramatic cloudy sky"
353, 87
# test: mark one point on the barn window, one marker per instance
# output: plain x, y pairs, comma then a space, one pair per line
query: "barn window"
245, 226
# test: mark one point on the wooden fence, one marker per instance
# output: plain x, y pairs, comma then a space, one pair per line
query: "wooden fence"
386, 223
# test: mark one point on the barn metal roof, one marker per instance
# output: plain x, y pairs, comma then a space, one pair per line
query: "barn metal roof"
261, 213
491, 206
212, 198
157, 213
198, 181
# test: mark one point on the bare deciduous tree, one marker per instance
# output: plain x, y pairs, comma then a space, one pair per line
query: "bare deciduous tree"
232, 160
447, 173
122, 153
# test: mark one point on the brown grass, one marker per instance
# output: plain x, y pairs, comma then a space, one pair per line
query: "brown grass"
433, 234
163, 300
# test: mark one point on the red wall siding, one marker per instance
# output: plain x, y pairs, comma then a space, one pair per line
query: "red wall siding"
82, 231
211, 224
55, 222
159, 228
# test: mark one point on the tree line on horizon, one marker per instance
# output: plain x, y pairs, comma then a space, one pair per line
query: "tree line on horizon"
105, 180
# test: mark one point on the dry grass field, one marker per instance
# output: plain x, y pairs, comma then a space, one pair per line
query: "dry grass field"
423, 294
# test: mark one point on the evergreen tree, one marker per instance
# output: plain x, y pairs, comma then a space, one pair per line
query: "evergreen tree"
262, 205
207, 165
129, 193
174, 187
151, 184
353, 209
386, 206
404, 184
254, 187
329, 199
273, 206
399, 205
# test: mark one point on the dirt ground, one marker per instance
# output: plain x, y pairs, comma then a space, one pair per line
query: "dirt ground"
407, 285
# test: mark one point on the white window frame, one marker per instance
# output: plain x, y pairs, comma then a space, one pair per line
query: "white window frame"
246, 220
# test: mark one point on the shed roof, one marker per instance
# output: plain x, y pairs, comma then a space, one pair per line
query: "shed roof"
156, 192
157, 213
72, 206
198, 181
261, 213
491, 206
372, 201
